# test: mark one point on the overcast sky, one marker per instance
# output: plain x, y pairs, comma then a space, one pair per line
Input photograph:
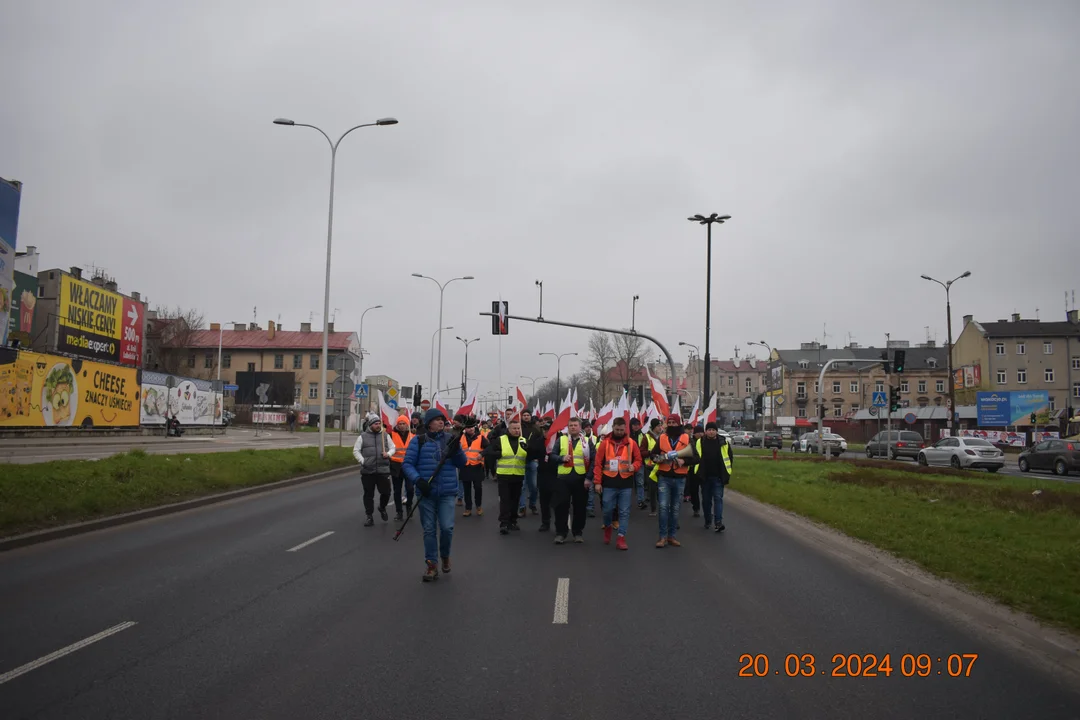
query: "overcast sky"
857, 145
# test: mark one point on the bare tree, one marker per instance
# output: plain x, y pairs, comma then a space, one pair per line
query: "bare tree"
629, 355
601, 359
168, 339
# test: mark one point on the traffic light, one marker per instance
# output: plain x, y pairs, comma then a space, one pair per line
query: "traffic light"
1033, 418
894, 399
759, 403
885, 362
641, 396
418, 391
898, 360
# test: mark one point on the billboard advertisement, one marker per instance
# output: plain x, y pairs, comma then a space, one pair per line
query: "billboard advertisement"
38, 390
99, 323
1000, 409
1002, 437
7, 287
967, 377
191, 401
23, 302
775, 382
10, 197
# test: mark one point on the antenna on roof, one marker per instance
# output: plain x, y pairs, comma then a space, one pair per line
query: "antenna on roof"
255, 314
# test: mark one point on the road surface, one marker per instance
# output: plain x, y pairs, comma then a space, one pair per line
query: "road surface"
283, 606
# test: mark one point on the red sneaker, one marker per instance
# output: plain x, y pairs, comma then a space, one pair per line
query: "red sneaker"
621, 543
607, 534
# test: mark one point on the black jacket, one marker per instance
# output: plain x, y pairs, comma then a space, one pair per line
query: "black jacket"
711, 463
493, 451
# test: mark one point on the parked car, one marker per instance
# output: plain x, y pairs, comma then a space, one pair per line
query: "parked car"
902, 443
963, 452
773, 439
798, 444
1060, 456
835, 444
756, 439
741, 437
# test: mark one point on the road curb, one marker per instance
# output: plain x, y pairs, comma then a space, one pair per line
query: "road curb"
100, 442
41, 536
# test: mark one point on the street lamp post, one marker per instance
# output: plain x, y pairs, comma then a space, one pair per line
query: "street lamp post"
633, 314
361, 373
329, 238
558, 370
533, 380
465, 379
431, 387
772, 403
697, 352
220, 337
948, 322
708, 222
442, 287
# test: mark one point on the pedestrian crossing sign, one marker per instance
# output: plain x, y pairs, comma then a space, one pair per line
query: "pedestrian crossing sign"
880, 400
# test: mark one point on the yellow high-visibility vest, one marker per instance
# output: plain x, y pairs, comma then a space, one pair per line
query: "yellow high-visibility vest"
511, 463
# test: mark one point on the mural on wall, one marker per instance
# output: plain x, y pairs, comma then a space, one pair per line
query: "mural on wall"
191, 401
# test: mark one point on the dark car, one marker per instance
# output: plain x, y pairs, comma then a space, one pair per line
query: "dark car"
774, 440
1060, 456
895, 444
756, 439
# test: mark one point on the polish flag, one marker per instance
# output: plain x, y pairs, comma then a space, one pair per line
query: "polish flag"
652, 413
440, 407
623, 410
694, 412
386, 413
521, 398
562, 420
658, 395
710, 411
549, 411
592, 411
470, 404
675, 409
606, 413
634, 413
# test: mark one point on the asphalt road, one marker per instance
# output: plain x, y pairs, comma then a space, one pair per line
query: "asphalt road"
17, 450
238, 614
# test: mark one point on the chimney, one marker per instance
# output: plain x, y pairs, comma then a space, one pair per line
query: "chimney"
31, 249
1072, 317
98, 280
238, 327
305, 327
76, 272
136, 296
1016, 317
253, 326
968, 319
215, 327
270, 330
330, 327
111, 285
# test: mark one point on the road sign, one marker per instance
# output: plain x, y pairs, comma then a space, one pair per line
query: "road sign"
261, 392
361, 390
344, 364
425, 404
948, 403
880, 399
873, 411
392, 393
232, 388
392, 403
779, 400
910, 418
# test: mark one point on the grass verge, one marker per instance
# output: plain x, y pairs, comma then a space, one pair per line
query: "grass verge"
1016, 540
42, 495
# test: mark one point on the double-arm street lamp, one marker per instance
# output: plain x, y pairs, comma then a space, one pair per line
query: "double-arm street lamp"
533, 381
361, 371
329, 237
948, 322
442, 287
432, 389
465, 377
772, 404
698, 354
558, 370
708, 222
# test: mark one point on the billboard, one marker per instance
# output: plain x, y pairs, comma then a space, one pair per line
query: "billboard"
10, 197
191, 401
23, 302
7, 287
967, 377
1000, 409
38, 390
99, 323
775, 380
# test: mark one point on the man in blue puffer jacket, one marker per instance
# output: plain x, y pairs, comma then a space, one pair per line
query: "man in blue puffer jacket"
437, 494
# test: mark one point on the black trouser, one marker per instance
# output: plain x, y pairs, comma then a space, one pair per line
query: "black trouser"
472, 482
398, 478
693, 491
370, 483
545, 487
509, 497
569, 489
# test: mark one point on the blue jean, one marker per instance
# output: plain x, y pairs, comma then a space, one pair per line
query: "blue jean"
529, 488
639, 483
460, 488
670, 491
617, 497
440, 508
712, 494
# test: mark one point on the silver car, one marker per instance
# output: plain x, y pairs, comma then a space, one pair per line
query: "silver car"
963, 452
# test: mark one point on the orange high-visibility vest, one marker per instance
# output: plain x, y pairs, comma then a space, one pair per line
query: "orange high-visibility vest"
472, 452
665, 447
626, 468
399, 446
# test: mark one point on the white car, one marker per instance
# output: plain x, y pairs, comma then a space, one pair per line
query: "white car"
963, 452
741, 437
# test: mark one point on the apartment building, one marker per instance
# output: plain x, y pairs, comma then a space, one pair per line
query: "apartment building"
1022, 354
734, 378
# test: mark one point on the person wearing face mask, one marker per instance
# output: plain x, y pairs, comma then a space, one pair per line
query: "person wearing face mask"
693, 480
649, 446
472, 475
713, 457
639, 477
618, 459
401, 436
573, 456
510, 454
671, 479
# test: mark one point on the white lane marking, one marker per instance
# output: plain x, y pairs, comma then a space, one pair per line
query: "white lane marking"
562, 602
316, 539
64, 651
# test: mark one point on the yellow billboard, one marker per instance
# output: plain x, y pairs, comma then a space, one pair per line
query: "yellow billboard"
99, 323
39, 390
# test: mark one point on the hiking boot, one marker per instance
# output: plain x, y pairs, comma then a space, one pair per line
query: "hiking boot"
383, 515
369, 521
607, 534
479, 511
620, 543
533, 510
560, 539
521, 512
446, 565
504, 529
544, 527
578, 539
432, 572
467, 513
662, 542
720, 527
673, 542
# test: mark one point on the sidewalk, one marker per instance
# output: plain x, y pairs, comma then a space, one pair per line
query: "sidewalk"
117, 441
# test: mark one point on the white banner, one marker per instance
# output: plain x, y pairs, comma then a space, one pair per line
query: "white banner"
264, 417
1001, 437
192, 401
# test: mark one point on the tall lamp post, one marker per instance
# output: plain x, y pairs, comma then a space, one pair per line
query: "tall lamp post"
373, 307
465, 379
633, 314
558, 370
772, 405
708, 222
948, 322
431, 387
701, 397
533, 381
329, 238
442, 287
220, 337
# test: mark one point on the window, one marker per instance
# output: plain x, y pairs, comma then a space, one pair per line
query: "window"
1076, 363
939, 386
1053, 406
1021, 376
838, 411
1048, 348
191, 360
314, 362
1048, 375
226, 360
923, 402
817, 387
800, 389
730, 380
208, 360
836, 387
1076, 390
854, 386
296, 393
922, 386
329, 391
937, 401
855, 408
999, 349
879, 386
802, 410
1001, 379
297, 362
279, 362
313, 391
251, 367
904, 386
1021, 349
804, 364
749, 386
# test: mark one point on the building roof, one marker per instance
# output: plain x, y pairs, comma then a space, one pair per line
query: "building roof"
261, 340
1029, 328
935, 358
759, 366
